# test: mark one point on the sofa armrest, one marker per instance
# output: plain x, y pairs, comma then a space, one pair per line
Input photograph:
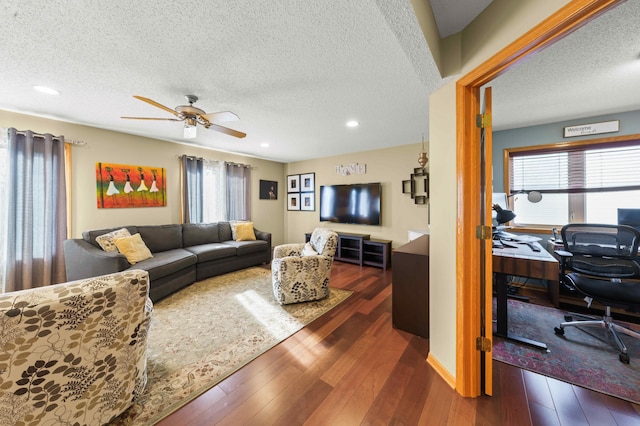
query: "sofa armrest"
84, 260
262, 235
286, 250
265, 236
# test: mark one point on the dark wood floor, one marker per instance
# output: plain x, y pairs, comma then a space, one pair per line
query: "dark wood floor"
351, 367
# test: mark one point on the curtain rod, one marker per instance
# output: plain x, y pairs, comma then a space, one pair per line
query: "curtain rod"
72, 141
191, 157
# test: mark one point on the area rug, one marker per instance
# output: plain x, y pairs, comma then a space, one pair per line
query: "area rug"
585, 356
204, 333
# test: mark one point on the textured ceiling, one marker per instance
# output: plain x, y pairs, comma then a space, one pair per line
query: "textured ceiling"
594, 71
294, 72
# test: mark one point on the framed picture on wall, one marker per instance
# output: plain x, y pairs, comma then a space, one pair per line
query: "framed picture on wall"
293, 201
268, 190
293, 183
308, 201
308, 182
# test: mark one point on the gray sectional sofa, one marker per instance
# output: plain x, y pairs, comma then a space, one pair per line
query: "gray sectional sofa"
182, 254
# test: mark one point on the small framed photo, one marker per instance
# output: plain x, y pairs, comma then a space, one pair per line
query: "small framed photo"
293, 201
308, 201
293, 183
268, 190
308, 182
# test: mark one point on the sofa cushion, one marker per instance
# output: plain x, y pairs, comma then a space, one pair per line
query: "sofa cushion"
207, 252
90, 236
195, 234
133, 248
224, 231
167, 262
248, 247
161, 237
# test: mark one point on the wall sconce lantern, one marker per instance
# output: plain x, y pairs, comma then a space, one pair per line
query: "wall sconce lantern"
422, 156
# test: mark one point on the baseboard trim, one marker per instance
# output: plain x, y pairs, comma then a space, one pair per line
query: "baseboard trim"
443, 372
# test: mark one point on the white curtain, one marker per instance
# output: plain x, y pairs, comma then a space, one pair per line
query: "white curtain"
36, 210
214, 197
204, 190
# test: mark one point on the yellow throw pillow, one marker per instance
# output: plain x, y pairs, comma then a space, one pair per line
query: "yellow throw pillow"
134, 249
244, 231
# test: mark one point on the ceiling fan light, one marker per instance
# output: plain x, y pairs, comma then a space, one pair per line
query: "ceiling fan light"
189, 130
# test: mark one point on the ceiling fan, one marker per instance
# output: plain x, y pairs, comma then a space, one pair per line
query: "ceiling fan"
192, 115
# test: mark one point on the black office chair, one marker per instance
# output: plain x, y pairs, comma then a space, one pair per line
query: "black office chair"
600, 261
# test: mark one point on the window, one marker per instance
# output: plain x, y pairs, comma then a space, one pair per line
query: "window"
214, 191
585, 181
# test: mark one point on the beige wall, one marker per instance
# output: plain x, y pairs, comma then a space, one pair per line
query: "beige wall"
501, 23
120, 148
390, 167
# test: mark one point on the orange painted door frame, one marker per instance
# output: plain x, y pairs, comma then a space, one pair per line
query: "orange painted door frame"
468, 261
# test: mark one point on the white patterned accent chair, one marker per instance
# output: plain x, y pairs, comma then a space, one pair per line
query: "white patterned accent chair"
301, 271
74, 353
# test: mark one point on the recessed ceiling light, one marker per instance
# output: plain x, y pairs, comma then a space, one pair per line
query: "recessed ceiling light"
47, 90
264, 145
352, 123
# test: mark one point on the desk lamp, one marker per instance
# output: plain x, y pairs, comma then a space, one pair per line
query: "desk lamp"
502, 215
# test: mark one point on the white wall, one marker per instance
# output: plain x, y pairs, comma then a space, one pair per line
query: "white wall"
390, 167
501, 23
120, 148
442, 256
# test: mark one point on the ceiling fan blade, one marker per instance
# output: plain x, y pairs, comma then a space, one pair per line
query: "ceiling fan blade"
151, 118
156, 104
220, 117
226, 130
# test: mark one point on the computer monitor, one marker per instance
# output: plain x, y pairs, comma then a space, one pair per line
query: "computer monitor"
630, 217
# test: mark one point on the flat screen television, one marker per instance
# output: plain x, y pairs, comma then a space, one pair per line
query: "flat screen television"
629, 217
356, 203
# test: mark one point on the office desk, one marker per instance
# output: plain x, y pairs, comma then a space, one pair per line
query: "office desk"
523, 262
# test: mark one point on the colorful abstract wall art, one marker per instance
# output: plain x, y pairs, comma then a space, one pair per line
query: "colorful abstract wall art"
120, 185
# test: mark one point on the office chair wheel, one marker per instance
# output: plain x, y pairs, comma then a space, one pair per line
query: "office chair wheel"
624, 358
568, 318
560, 331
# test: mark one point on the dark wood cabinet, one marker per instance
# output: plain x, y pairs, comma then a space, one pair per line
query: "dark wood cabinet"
361, 249
410, 287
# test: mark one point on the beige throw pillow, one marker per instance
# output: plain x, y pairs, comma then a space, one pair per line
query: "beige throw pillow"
243, 231
134, 249
107, 241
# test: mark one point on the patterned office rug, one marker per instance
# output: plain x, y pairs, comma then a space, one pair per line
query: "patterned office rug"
586, 356
204, 333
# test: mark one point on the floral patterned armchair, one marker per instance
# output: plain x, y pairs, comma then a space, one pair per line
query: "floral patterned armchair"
300, 272
74, 353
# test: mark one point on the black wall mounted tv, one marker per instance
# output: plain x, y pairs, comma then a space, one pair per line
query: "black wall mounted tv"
356, 203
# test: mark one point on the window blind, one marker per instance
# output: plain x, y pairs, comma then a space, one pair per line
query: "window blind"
582, 169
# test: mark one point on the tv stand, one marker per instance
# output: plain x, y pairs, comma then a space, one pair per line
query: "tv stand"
361, 249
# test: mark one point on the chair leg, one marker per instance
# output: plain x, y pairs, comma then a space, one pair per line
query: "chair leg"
607, 322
